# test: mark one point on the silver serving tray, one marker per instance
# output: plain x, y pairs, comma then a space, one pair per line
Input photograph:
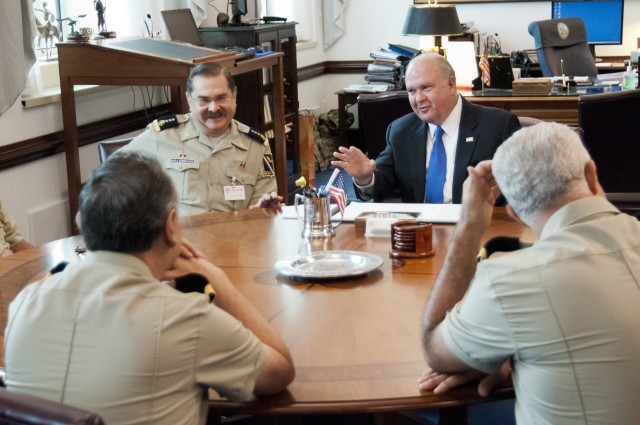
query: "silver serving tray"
328, 264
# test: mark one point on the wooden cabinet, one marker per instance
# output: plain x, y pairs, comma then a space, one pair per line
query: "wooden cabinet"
255, 88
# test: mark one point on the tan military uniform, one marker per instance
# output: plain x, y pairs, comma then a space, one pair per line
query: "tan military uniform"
9, 233
229, 176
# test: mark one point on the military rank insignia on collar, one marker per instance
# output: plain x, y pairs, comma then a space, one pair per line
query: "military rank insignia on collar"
267, 160
169, 121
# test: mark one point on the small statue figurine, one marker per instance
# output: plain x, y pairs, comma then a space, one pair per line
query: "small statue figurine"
73, 34
47, 14
101, 8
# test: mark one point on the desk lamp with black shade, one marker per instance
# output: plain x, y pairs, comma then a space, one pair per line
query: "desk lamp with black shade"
432, 20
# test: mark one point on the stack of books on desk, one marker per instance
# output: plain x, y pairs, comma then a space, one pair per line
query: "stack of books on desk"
388, 65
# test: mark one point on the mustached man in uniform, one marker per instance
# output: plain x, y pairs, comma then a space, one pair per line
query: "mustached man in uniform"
215, 162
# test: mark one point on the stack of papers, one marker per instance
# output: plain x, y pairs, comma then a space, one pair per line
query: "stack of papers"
431, 213
366, 88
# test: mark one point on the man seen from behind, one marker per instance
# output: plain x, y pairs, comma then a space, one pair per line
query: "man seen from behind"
562, 312
111, 334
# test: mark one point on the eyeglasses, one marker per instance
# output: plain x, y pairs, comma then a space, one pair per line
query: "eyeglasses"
205, 101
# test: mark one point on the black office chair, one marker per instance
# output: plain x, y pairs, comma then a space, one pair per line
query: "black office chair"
612, 135
562, 43
28, 410
375, 113
106, 149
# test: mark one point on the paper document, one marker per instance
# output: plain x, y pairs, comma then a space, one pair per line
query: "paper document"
366, 88
432, 213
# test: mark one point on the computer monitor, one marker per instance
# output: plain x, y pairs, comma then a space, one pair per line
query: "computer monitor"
181, 26
238, 10
602, 18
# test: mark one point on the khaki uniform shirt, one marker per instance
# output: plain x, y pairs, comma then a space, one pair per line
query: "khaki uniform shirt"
231, 176
565, 311
107, 336
9, 233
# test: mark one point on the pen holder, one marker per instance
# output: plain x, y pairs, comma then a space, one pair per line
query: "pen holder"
411, 240
316, 217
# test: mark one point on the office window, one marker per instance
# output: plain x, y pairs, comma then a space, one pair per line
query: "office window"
125, 17
300, 11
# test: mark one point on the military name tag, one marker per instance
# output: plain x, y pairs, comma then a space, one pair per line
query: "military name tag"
182, 163
233, 193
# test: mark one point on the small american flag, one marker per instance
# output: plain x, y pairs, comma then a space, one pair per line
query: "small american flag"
483, 64
336, 189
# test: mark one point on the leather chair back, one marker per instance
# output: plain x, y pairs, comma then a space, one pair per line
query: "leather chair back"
375, 113
24, 409
106, 149
612, 135
563, 41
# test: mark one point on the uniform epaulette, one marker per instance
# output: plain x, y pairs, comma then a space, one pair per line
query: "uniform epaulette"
254, 134
169, 121
58, 268
195, 282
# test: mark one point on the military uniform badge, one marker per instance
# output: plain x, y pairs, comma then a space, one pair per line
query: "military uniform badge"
267, 160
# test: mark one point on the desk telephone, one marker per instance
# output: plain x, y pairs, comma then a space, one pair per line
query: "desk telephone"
524, 58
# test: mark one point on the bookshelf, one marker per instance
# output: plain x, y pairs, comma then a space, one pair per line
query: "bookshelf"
255, 88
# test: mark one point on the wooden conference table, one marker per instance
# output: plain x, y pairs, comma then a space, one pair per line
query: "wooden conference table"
355, 342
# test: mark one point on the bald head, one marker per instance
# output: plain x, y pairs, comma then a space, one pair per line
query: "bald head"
431, 83
434, 60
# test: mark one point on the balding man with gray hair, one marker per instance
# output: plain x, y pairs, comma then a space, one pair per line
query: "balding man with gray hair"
562, 312
459, 132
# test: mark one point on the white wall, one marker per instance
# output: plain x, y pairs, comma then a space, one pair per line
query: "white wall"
369, 24
374, 23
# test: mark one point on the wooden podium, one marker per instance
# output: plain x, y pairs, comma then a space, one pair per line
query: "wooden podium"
152, 62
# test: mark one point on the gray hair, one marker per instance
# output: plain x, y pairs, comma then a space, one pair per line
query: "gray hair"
538, 166
125, 203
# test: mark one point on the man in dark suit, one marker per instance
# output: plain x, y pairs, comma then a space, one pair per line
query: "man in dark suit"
469, 134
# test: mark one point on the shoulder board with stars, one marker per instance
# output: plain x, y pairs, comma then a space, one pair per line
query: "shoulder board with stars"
169, 121
254, 134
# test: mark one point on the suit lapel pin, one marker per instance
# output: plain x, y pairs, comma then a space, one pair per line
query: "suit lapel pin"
469, 139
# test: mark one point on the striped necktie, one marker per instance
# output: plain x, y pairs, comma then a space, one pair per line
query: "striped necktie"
437, 171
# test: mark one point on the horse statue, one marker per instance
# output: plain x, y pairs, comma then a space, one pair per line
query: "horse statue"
47, 31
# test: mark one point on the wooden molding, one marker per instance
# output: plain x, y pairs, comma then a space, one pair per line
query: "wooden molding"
40, 147
46, 145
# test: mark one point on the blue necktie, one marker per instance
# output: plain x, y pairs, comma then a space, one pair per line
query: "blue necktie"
437, 171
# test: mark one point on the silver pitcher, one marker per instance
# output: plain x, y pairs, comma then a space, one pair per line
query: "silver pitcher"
317, 216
